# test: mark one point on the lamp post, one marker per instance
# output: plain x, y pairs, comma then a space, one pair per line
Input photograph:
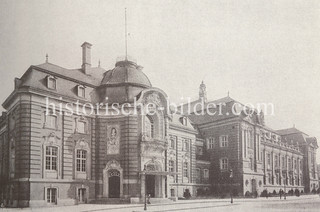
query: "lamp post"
285, 193
145, 188
231, 177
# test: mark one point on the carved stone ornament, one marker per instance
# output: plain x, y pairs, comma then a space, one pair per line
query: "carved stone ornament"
82, 143
153, 98
52, 138
113, 164
113, 139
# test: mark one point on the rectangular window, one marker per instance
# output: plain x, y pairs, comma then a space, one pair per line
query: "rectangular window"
81, 91
186, 145
276, 162
171, 166
251, 164
206, 173
224, 164
51, 121
268, 160
81, 127
51, 158
52, 195
269, 178
289, 164
52, 82
173, 140
199, 150
198, 174
81, 160
185, 169
223, 141
210, 143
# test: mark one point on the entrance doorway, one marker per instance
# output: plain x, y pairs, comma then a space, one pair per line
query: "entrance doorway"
82, 195
150, 183
114, 184
254, 186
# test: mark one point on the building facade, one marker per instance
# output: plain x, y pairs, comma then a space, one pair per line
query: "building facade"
71, 136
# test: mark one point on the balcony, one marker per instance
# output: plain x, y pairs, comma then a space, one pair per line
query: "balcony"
153, 144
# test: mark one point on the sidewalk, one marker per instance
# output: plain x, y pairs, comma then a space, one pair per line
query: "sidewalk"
158, 207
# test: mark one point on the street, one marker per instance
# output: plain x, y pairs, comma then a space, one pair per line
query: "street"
303, 203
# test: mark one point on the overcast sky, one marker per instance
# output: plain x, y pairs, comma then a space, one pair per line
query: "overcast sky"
260, 51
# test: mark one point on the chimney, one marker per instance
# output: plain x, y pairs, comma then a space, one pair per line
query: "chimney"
86, 56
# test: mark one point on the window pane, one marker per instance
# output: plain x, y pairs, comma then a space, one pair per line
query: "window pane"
78, 164
54, 163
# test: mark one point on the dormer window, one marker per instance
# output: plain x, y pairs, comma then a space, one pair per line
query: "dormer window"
52, 82
81, 91
184, 121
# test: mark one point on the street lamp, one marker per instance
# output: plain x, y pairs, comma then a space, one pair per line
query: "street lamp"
285, 193
145, 187
231, 177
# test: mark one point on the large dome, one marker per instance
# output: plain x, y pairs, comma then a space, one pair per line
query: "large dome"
123, 83
126, 72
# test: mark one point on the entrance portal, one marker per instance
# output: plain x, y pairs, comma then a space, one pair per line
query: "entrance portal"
82, 195
114, 184
150, 183
254, 186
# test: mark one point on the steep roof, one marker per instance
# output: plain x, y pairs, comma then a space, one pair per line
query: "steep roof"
196, 105
289, 131
76, 74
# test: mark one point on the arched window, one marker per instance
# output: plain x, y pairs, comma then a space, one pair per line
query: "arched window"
51, 158
149, 127
81, 160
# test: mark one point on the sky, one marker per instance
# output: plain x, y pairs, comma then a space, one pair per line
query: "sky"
263, 51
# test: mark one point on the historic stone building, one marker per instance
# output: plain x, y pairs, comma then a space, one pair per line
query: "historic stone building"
247, 157
57, 149
73, 136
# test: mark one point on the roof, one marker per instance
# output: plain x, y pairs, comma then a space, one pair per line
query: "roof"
196, 105
289, 131
126, 72
313, 141
77, 74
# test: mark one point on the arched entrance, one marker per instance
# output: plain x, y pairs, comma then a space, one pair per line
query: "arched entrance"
114, 183
112, 180
150, 183
154, 180
254, 186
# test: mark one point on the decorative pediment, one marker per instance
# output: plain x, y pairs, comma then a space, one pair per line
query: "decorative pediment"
52, 139
153, 166
113, 164
82, 144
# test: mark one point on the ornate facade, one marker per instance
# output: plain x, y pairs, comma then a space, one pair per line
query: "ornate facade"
56, 148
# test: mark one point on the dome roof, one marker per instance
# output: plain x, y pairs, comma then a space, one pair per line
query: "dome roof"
123, 83
126, 72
